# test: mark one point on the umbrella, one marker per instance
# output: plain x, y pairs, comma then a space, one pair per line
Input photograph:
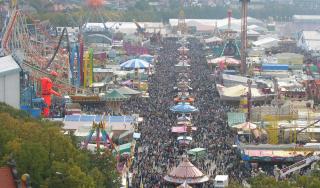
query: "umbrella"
184, 118
184, 123
184, 108
245, 126
147, 57
197, 151
224, 60
184, 138
136, 64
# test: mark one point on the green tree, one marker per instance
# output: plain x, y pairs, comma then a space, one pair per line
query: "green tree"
32, 158
142, 5
106, 164
51, 158
69, 175
263, 181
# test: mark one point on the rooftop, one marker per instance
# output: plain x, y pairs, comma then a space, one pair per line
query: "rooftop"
311, 35
8, 65
6, 178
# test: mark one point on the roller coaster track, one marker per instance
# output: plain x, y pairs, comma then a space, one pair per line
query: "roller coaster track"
17, 38
298, 165
60, 83
64, 33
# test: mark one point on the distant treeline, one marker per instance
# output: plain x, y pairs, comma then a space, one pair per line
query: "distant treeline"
146, 13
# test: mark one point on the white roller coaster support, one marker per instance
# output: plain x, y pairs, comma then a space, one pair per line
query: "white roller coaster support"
298, 165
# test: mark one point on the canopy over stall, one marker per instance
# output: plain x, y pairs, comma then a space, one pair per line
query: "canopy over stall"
197, 152
184, 108
136, 64
186, 172
126, 91
224, 59
245, 126
114, 100
181, 129
147, 57
236, 92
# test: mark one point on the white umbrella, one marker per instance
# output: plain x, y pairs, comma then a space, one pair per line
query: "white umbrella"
136, 64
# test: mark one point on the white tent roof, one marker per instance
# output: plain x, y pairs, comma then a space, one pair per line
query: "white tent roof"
8, 65
264, 41
311, 35
213, 22
253, 32
126, 27
238, 91
212, 39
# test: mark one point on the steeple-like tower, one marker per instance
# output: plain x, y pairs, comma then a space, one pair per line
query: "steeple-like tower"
182, 26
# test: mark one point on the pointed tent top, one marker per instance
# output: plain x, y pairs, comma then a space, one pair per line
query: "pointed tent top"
115, 95
186, 172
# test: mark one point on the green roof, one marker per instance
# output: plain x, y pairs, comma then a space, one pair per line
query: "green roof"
124, 148
236, 118
128, 91
314, 68
142, 76
197, 151
115, 96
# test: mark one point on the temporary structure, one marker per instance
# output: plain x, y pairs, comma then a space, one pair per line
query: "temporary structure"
236, 92
245, 126
186, 172
136, 64
197, 152
184, 107
114, 100
224, 60
126, 91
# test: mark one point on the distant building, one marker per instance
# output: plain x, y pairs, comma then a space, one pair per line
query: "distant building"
59, 7
9, 81
72, 32
267, 42
309, 41
314, 19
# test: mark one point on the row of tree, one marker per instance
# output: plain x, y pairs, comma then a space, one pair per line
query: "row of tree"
52, 159
144, 12
296, 181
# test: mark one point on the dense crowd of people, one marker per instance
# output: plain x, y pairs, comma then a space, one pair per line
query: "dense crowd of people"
158, 151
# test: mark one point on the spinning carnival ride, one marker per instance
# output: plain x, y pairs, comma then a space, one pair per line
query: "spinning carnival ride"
102, 137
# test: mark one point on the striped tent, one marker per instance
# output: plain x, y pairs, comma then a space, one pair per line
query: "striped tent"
136, 64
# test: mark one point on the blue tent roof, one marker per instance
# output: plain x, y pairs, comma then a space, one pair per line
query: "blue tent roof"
184, 108
274, 67
97, 118
136, 64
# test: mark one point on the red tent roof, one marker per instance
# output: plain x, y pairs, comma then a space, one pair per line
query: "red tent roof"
6, 178
186, 172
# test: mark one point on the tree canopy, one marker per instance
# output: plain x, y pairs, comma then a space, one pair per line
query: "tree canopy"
40, 149
296, 181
